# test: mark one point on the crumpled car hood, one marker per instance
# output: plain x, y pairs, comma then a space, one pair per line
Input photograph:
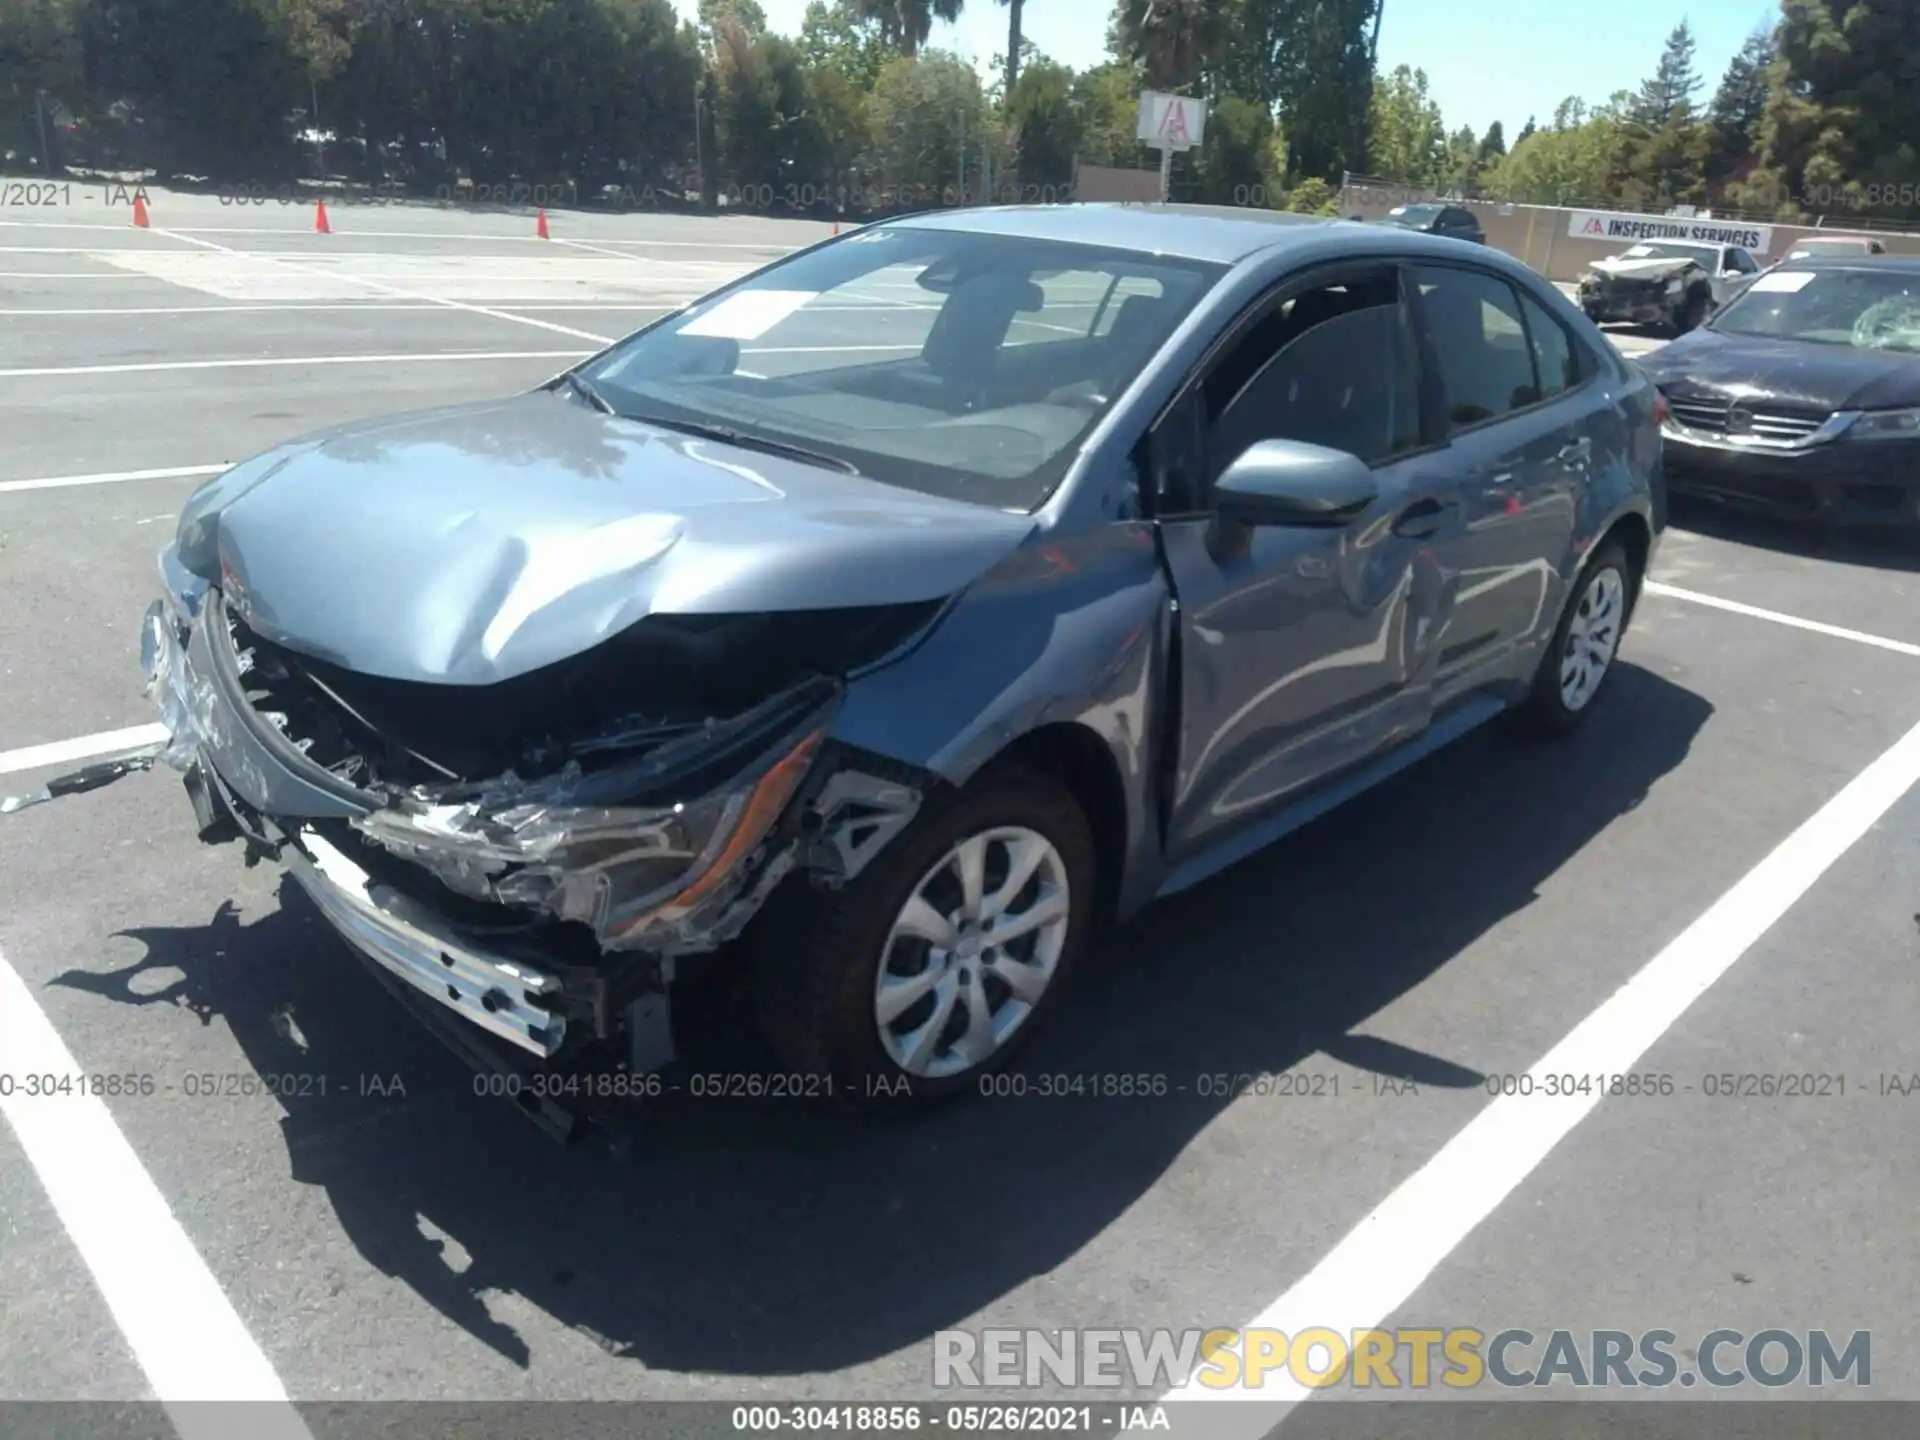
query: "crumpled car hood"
1650, 267
474, 543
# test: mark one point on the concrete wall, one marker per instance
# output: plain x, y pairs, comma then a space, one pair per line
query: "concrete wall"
1537, 234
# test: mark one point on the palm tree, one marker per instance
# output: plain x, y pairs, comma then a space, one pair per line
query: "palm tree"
1013, 42
905, 24
1175, 41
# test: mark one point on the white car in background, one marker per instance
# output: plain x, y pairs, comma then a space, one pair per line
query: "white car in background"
1675, 284
1834, 247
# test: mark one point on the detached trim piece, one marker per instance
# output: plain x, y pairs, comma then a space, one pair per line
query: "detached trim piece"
496, 994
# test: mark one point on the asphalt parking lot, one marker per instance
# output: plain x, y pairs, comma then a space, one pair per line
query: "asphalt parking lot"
379, 1232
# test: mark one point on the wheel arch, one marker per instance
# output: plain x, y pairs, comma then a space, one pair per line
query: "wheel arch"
1081, 759
1635, 535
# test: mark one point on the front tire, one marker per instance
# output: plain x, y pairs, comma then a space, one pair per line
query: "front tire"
932, 969
1693, 312
1574, 670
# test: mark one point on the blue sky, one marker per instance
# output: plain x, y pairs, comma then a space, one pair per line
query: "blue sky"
1521, 58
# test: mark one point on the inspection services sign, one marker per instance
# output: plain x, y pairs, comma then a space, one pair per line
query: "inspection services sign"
1612, 225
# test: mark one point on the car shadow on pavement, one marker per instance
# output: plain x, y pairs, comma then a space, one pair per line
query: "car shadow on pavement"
784, 1237
1892, 548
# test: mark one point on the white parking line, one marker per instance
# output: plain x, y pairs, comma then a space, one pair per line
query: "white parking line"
112, 477
283, 360
289, 231
1838, 632
190, 1343
398, 293
349, 306
1383, 1260
81, 747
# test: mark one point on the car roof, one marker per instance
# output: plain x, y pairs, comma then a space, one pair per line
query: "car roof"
1849, 240
1222, 234
1873, 264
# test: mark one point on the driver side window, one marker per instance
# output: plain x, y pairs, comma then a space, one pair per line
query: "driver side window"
1331, 365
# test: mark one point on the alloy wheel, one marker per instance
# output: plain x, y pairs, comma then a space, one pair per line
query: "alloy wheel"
971, 952
1592, 638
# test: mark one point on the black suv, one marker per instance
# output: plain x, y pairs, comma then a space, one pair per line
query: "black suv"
1452, 220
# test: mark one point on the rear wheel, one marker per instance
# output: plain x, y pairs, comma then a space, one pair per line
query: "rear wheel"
933, 968
1574, 669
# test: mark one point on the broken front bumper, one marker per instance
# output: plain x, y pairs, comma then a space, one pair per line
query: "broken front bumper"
393, 874
1616, 304
236, 781
510, 998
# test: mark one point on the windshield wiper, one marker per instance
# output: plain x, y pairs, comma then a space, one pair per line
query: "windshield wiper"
585, 389
727, 435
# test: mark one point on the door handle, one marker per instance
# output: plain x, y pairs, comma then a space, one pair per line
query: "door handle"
1422, 518
1580, 450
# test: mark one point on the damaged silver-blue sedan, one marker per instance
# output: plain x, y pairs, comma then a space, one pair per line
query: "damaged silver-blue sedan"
892, 619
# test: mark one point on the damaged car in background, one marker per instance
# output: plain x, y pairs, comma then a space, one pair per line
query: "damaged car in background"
1802, 399
1674, 284
886, 652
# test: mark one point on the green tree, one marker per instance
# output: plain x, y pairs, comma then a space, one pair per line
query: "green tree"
745, 13
839, 37
1406, 140
1460, 166
1662, 160
1668, 93
1525, 130
1739, 105
1568, 162
1106, 103
1015, 42
1236, 161
1492, 145
1176, 44
760, 111
1044, 124
928, 114
1324, 82
1314, 196
212, 81
906, 24
40, 53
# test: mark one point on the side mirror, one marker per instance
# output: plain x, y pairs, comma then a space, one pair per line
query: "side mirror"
1289, 482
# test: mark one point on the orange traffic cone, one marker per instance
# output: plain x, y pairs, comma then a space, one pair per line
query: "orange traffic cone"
140, 212
836, 227
320, 225
540, 227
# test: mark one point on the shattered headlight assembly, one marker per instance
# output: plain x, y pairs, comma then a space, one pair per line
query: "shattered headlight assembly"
1901, 424
623, 870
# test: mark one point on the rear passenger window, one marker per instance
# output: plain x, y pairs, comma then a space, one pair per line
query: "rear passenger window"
1479, 344
1553, 356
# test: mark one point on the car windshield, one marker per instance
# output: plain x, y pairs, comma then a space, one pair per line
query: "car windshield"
1869, 310
959, 364
1654, 251
1414, 214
